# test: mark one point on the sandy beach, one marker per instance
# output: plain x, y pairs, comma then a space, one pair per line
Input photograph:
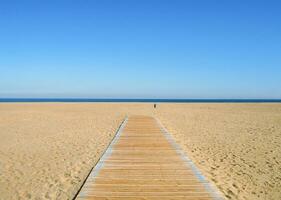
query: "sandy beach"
47, 149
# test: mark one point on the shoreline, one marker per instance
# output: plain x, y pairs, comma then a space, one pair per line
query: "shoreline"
135, 100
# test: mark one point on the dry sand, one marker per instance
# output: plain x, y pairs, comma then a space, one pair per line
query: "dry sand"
47, 149
237, 146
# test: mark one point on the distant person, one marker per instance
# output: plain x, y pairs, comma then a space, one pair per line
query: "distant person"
154, 105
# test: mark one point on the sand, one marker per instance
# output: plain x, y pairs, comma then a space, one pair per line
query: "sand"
47, 149
238, 147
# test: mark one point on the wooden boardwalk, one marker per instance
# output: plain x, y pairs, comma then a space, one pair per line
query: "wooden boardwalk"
144, 163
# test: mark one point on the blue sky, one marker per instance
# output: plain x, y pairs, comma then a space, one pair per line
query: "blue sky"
140, 48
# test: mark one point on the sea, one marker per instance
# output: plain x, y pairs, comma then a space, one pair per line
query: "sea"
113, 100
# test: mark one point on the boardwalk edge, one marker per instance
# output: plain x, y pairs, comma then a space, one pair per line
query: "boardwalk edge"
211, 188
95, 170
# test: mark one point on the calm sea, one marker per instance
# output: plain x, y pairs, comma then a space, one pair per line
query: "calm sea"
3, 100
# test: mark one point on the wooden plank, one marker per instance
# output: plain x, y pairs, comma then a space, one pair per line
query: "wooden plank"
143, 198
144, 163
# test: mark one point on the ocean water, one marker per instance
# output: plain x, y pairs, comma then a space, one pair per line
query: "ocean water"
6, 100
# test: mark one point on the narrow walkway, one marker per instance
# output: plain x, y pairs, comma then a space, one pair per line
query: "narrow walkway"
144, 163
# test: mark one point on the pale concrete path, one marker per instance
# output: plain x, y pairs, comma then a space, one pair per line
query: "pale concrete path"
144, 163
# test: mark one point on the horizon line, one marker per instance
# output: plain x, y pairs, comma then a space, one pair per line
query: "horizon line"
141, 100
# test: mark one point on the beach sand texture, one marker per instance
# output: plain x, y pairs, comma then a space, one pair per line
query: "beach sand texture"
47, 149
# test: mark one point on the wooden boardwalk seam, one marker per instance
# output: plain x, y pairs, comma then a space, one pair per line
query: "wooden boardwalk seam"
143, 162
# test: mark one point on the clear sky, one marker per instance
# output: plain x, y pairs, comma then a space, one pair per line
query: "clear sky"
140, 48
